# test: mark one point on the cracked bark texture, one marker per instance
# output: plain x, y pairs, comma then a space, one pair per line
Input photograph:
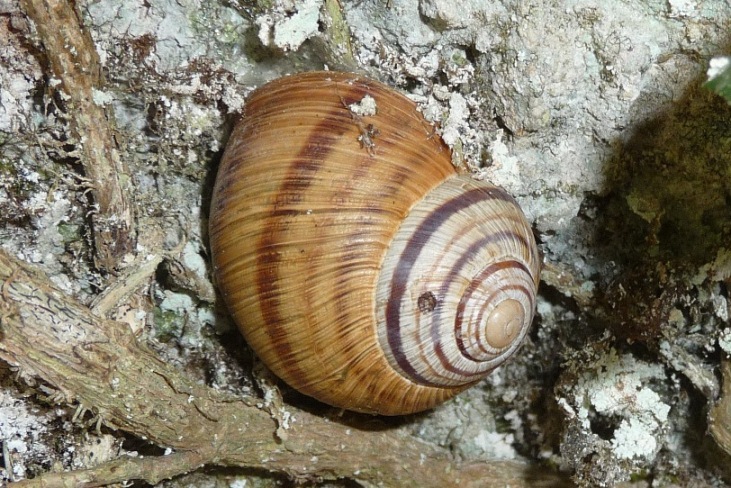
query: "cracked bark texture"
72, 59
106, 370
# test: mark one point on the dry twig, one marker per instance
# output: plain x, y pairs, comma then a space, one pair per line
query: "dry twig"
99, 363
74, 61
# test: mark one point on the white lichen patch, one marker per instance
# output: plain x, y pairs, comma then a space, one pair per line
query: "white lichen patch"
469, 426
720, 307
233, 97
187, 125
724, 341
682, 8
15, 100
615, 390
178, 31
102, 97
444, 14
51, 210
426, 54
287, 27
22, 431
633, 440
18, 78
198, 118
193, 260
164, 21
495, 445
456, 123
506, 168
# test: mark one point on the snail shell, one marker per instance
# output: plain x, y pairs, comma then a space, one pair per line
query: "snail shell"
360, 266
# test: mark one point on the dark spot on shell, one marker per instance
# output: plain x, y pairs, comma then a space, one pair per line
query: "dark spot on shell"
427, 302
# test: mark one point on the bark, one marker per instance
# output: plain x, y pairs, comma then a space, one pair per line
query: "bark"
99, 364
74, 61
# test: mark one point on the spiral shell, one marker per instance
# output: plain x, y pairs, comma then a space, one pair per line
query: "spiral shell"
360, 266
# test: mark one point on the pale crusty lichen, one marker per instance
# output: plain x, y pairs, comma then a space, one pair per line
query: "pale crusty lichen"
614, 409
286, 27
724, 341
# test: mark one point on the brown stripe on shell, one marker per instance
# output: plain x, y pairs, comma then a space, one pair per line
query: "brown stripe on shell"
484, 275
360, 376
408, 258
426, 337
454, 272
303, 170
507, 349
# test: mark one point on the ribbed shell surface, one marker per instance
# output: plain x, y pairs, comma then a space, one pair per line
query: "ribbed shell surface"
325, 236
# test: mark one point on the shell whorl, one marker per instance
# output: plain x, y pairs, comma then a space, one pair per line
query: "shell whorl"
372, 277
457, 287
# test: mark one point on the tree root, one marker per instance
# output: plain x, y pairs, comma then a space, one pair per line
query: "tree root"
99, 363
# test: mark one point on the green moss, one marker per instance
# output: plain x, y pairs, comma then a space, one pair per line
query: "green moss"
167, 324
5, 138
459, 58
641, 475
721, 83
6, 167
675, 175
69, 232
338, 34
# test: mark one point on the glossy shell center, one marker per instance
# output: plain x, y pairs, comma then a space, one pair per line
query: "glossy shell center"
456, 291
504, 323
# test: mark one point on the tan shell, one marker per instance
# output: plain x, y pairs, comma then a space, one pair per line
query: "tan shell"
359, 265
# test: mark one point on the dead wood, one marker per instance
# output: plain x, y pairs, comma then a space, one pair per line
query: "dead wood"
104, 369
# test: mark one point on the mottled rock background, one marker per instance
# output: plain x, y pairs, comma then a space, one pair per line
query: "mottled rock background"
592, 114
